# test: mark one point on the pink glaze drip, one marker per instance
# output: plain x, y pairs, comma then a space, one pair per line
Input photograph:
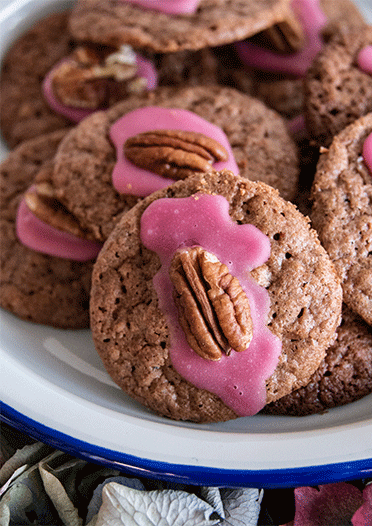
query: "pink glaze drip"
202, 219
41, 237
297, 128
172, 7
313, 20
297, 124
367, 152
128, 178
365, 59
146, 69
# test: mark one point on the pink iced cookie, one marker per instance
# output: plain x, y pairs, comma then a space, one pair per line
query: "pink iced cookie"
168, 26
128, 178
174, 7
258, 238
312, 20
41, 237
146, 70
170, 224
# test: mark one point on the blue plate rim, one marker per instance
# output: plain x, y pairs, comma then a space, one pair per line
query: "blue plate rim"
191, 475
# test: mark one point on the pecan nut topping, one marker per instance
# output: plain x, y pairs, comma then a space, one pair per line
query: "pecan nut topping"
213, 309
285, 37
41, 200
175, 154
83, 81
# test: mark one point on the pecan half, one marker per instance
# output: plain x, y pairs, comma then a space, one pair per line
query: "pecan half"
174, 153
41, 201
285, 37
84, 79
213, 309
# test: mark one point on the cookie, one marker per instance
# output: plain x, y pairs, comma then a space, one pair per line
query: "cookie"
24, 113
133, 317
86, 160
338, 86
207, 23
283, 95
342, 211
278, 77
344, 376
278, 80
34, 286
45, 84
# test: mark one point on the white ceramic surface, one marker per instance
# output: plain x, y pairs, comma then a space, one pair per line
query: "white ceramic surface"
53, 385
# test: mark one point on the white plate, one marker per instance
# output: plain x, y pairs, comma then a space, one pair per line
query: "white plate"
54, 387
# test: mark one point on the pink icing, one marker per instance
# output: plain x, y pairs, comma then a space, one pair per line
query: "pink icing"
41, 237
146, 69
297, 124
313, 20
367, 152
202, 219
173, 7
297, 128
365, 59
128, 178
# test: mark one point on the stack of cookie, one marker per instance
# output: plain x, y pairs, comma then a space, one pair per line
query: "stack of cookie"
152, 194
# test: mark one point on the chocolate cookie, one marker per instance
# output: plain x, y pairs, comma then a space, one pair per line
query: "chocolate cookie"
24, 113
338, 87
86, 159
344, 376
132, 316
36, 287
35, 79
342, 211
278, 78
212, 23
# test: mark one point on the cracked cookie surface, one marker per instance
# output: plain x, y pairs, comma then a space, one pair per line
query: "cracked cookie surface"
214, 23
336, 90
344, 376
342, 213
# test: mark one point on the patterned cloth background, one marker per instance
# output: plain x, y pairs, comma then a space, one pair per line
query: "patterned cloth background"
42, 486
